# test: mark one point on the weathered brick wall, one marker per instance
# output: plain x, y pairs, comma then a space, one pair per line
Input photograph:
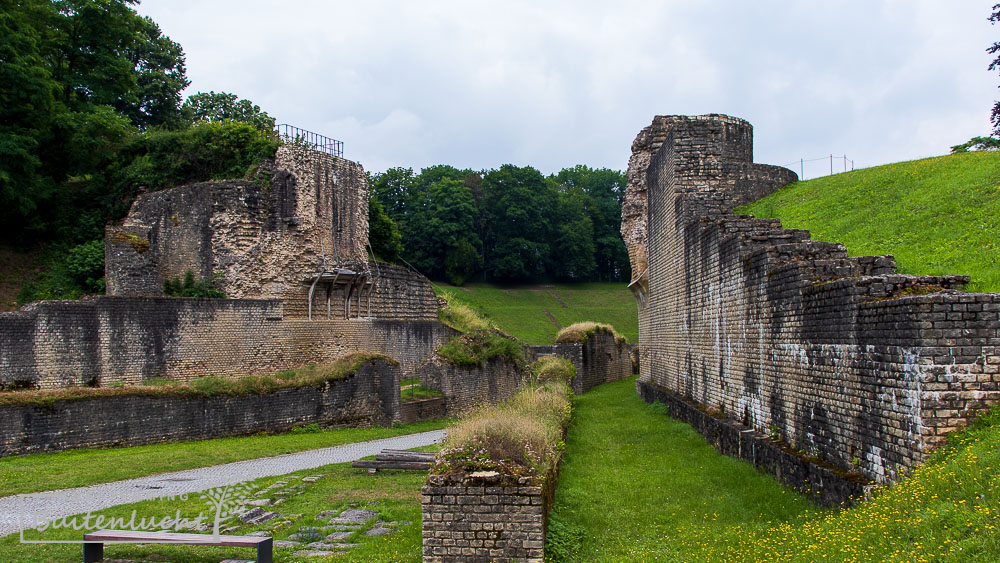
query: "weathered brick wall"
424, 409
483, 518
600, 359
370, 397
465, 387
129, 339
840, 356
264, 242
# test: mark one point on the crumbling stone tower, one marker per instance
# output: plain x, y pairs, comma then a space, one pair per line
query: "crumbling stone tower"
306, 235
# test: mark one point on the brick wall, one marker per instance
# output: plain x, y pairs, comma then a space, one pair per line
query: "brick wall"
467, 386
370, 397
483, 518
129, 339
840, 356
600, 359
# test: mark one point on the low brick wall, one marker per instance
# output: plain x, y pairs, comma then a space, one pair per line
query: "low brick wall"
600, 359
483, 517
370, 397
426, 409
829, 487
468, 386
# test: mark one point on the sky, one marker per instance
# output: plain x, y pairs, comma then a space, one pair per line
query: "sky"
553, 84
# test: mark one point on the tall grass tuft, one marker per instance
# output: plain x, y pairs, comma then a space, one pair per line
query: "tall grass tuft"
480, 342
580, 332
519, 437
553, 368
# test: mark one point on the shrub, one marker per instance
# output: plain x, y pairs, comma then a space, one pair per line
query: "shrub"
580, 332
520, 437
477, 348
190, 287
554, 368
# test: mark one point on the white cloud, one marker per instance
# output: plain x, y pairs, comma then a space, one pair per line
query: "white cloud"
553, 84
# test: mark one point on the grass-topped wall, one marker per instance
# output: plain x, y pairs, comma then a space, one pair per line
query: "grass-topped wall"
492, 485
360, 391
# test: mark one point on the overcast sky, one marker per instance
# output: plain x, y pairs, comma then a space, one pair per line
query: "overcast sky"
554, 84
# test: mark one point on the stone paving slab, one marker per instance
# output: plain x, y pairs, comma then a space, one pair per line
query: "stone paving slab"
18, 512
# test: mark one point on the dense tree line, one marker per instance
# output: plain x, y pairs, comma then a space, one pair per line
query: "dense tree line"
91, 112
510, 224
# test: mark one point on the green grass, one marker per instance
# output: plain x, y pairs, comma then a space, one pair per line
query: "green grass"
207, 386
79, 468
395, 495
936, 216
638, 486
520, 311
634, 483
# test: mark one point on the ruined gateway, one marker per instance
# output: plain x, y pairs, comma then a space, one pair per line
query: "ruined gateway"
840, 357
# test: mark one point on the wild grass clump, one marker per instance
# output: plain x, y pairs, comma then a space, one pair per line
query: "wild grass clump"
461, 317
520, 437
580, 332
553, 368
479, 347
308, 376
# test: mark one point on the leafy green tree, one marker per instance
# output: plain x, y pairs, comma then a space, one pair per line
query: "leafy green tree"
384, 237
438, 226
518, 205
392, 189
603, 191
462, 262
223, 106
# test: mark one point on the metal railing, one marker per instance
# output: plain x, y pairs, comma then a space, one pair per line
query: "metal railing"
295, 136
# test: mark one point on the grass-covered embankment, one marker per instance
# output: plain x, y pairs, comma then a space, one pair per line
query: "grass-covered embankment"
524, 312
638, 486
937, 216
79, 468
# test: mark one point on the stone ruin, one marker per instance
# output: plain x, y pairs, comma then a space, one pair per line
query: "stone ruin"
790, 339
290, 253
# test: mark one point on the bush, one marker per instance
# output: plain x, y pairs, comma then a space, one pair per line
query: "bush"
580, 332
190, 287
479, 347
520, 437
554, 368
72, 273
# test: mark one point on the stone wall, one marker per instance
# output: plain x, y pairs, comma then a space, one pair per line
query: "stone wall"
369, 397
128, 339
600, 359
264, 242
465, 387
840, 356
483, 518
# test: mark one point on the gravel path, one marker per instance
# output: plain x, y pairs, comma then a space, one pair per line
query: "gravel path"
38, 507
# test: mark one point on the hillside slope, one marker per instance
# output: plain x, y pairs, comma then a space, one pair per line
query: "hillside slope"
936, 216
534, 314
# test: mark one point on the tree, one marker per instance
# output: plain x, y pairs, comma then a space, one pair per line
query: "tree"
518, 208
384, 237
994, 50
438, 226
223, 106
462, 262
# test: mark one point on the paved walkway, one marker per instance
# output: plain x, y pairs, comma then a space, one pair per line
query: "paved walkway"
18, 511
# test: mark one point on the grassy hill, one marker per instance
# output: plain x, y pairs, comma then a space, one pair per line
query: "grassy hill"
936, 216
535, 314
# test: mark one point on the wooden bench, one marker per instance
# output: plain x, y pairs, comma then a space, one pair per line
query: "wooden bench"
93, 549
397, 459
